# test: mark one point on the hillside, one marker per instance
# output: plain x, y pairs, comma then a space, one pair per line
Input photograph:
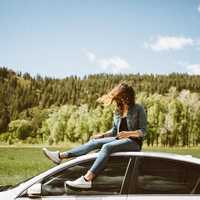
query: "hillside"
28, 104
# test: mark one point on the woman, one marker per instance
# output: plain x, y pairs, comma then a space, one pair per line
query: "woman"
127, 133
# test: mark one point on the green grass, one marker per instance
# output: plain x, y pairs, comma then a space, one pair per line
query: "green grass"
19, 163
195, 151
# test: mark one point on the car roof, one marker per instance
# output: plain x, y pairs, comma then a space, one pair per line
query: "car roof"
172, 156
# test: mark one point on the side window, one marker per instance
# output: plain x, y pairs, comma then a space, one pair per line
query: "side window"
109, 181
164, 176
194, 178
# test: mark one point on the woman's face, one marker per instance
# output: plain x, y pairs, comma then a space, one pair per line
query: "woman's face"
120, 100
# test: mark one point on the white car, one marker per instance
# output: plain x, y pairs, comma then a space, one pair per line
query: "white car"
127, 176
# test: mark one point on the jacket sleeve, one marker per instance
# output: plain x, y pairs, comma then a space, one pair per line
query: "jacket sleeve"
142, 121
113, 131
114, 128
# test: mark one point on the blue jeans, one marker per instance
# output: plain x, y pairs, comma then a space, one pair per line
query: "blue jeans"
108, 145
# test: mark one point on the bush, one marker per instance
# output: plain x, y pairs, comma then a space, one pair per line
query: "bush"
50, 141
21, 129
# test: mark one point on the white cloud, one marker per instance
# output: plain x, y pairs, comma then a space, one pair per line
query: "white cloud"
115, 63
197, 42
169, 43
182, 63
193, 69
198, 8
91, 56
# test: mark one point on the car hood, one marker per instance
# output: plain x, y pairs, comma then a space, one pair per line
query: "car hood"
9, 194
6, 195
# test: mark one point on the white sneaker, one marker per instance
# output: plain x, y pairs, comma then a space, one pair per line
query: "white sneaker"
52, 155
79, 183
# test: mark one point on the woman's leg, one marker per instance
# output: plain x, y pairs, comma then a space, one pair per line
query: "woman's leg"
87, 147
57, 157
111, 147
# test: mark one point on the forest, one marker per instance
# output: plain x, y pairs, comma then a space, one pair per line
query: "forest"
38, 109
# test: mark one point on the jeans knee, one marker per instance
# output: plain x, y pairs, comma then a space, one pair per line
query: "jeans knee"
92, 142
106, 148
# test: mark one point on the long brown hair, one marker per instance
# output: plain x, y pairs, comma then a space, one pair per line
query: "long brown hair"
122, 94
125, 97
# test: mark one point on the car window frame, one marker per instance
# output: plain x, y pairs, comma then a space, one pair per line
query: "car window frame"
135, 171
133, 176
124, 185
128, 175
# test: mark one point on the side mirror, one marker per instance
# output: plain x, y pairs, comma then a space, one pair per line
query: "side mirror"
35, 190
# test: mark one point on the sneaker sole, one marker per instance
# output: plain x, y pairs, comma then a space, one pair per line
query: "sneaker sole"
75, 187
45, 153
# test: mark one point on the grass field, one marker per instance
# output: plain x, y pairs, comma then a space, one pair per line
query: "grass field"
20, 163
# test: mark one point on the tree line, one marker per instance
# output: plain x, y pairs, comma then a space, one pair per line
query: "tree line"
42, 109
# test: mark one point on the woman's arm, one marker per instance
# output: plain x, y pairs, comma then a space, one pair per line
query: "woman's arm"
110, 133
141, 131
126, 134
113, 131
142, 121
102, 135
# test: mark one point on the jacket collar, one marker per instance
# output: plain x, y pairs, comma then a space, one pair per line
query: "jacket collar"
130, 110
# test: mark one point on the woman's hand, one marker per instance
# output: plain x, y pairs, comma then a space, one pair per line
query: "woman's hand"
127, 134
123, 134
97, 136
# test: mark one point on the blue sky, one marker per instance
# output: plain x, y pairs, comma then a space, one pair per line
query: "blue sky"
71, 37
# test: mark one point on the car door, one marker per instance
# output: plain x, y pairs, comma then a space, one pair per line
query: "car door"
109, 183
161, 176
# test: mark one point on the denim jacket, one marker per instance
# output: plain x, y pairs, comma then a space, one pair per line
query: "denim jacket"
136, 120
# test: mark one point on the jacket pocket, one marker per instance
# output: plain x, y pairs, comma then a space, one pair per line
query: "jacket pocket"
133, 121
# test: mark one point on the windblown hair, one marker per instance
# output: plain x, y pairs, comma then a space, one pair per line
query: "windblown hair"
122, 94
125, 96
